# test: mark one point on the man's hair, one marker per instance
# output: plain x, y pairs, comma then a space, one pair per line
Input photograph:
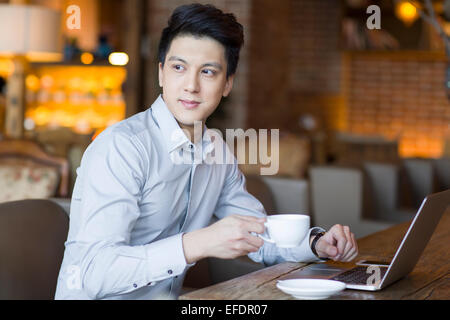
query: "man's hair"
204, 21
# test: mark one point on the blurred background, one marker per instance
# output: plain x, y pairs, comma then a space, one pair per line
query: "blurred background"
343, 94
358, 89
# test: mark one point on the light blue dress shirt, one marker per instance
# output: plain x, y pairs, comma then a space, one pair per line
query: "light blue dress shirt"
132, 203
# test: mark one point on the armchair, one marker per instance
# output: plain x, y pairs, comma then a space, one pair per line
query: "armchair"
32, 236
337, 196
28, 171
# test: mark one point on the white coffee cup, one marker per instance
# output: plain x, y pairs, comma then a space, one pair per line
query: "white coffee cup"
286, 230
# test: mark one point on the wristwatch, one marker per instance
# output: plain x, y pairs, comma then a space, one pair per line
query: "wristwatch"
317, 235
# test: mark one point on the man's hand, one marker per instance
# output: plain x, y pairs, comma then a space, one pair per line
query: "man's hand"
338, 244
228, 238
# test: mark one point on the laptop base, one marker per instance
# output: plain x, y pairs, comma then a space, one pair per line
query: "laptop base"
338, 273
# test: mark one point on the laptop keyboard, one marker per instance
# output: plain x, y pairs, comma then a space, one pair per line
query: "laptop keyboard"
358, 275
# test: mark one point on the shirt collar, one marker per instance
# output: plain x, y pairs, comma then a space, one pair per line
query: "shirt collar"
172, 134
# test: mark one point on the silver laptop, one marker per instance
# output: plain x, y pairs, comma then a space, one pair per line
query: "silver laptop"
376, 276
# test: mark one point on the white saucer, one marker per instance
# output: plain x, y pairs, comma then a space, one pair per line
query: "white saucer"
311, 289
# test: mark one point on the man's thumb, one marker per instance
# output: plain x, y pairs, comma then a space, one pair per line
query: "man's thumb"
328, 249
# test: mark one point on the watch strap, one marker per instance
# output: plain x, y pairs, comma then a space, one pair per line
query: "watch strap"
314, 242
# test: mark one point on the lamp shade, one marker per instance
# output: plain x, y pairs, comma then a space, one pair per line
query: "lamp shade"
31, 31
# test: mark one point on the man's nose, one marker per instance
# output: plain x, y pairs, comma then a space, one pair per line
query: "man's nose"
192, 83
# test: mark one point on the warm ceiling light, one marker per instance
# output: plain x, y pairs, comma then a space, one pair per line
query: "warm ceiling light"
407, 12
118, 58
87, 58
32, 82
6, 67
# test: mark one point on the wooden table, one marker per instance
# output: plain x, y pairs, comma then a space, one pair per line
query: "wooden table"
430, 279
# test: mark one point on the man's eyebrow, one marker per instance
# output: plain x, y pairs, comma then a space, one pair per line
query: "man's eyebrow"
213, 64
208, 64
175, 58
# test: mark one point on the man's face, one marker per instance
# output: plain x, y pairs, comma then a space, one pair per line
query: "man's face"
194, 78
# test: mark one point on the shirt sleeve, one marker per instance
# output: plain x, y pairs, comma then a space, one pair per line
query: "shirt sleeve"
235, 199
112, 174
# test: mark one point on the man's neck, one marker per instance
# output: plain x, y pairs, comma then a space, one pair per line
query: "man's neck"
194, 137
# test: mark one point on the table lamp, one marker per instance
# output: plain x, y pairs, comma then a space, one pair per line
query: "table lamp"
28, 33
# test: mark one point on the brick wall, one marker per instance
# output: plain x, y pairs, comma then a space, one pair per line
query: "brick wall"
314, 51
298, 67
400, 95
268, 79
295, 64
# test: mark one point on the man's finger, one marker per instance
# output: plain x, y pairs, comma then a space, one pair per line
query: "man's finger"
251, 218
341, 239
355, 242
253, 226
353, 248
353, 252
323, 248
352, 257
250, 224
348, 250
244, 247
254, 239
348, 255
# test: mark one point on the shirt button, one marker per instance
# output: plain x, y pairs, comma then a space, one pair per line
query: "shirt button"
135, 285
150, 283
169, 271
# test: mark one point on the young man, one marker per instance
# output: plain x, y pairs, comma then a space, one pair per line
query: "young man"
139, 220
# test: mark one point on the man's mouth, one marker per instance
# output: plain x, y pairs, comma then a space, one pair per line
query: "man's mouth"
189, 104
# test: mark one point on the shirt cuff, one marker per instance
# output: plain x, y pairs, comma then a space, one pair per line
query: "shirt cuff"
165, 258
304, 252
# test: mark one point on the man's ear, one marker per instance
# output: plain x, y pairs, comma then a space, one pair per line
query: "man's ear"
160, 74
228, 86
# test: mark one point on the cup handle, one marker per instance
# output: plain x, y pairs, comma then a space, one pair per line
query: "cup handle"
265, 238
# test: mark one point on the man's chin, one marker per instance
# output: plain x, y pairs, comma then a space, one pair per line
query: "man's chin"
190, 122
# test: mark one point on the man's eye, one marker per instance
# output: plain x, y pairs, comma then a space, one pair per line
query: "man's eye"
209, 72
178, 67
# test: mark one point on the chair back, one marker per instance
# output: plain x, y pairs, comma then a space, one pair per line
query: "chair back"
29, 152
442, 168
337, 195
290, 195
32, 236
340, 196
421, 177
384, 179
